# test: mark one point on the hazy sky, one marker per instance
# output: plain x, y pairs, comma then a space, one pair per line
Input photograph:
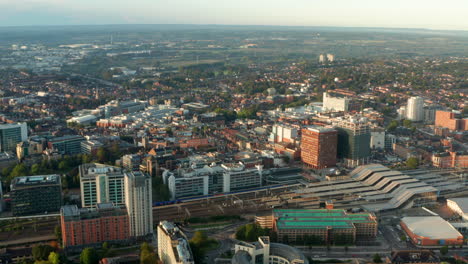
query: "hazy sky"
434, 14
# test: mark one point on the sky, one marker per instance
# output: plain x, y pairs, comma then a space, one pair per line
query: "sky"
431, 14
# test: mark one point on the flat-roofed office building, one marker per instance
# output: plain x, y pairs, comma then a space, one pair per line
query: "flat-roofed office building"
11, 135
36, 194
93, 226
319, 147
354, 138
68, 145
100, 183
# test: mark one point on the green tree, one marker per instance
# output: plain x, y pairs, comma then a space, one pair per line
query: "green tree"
115, 151
251, 232
377, 258
407, 123
247, 113
107, 251
89, 256
228, 115
147, 257
161, 191
54, 258
199, 244
147, 254
63, 165
146, 246
412, 163
102, 155
86, 159
240, 234
35, 169
393, 125
444, 250
7, 170
19, 170
41, 252
199, 238
58, 232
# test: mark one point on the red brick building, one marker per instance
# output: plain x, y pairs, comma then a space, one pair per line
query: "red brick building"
194, 142
288, 149
447, 119
104, 123
81, 227
450, 159
319, 147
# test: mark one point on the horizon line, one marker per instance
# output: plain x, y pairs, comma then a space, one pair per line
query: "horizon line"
236, 25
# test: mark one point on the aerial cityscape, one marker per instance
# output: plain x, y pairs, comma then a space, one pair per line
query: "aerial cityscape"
205, 141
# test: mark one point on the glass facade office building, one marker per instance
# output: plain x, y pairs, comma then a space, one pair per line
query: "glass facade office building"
11, 135
36, 194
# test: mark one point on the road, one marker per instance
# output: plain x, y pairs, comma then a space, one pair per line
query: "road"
225, 237
392, 236
339, 253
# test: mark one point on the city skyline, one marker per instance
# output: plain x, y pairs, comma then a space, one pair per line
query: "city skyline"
335, 13
203, 131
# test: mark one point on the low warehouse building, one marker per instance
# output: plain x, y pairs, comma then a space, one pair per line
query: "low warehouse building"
431, 231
